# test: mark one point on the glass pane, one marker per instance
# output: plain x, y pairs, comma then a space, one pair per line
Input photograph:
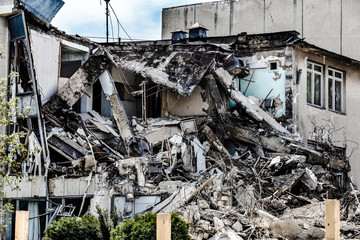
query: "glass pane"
317, 68
309, 66
337, 74
330, 94
331, 73
16, 27
309, 87
317, 89
337, 96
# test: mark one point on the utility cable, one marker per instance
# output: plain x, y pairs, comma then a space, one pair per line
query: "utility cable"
114, 38
119, 23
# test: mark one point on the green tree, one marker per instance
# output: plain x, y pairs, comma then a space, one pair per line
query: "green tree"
73, 228
144, 227
12, 151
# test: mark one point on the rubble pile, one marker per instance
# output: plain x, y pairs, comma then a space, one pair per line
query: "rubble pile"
233, 174
212, 176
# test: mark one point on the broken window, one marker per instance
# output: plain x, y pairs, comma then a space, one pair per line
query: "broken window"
273, 65
16, 27
71, 59
138, 205
314, 83
335, 89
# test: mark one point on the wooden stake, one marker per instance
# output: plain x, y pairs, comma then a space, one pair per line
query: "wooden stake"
332, 219
21, 225
163, 226
207, 182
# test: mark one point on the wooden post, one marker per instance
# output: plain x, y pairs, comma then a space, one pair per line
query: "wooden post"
21, 225
163, 226
332, 219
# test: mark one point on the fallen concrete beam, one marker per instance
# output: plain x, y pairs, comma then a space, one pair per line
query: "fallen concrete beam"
75, 87
224, 77
122, 121
215, 141
256, 112
215, 93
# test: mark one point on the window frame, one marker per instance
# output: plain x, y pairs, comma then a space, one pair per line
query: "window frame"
335, 79
313, 72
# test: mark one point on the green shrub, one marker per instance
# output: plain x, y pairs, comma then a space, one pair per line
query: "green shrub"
179, 228
104, 224
144, 228
72, 228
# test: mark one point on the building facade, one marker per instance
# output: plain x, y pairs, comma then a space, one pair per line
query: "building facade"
108, 119
330, 24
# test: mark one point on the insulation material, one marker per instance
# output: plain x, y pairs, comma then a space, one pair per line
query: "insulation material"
200, 155
34, 160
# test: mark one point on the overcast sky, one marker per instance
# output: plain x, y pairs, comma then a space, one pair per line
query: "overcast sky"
140, 18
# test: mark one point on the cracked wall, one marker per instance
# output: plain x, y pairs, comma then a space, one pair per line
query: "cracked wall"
267, 82
336, 22
342, 125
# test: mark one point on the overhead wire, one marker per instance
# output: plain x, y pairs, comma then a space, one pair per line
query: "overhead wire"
114, 38
119, 23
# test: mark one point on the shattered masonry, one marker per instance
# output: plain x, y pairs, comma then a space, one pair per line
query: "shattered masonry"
167, 127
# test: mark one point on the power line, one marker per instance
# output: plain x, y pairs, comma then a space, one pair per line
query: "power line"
115, 38
119, 23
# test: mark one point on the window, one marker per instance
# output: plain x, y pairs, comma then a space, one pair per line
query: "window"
335, 89
314, 83
273, 65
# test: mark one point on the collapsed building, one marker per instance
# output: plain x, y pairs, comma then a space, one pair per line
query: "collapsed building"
206, 127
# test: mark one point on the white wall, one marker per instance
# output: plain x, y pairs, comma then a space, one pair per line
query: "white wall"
346, 124
45, 50
330, 24
6, 7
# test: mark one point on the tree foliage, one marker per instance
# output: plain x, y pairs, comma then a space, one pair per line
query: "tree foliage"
12, 151
73, 228
144, 227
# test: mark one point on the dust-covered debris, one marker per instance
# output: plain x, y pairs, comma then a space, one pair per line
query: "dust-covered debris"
232, 171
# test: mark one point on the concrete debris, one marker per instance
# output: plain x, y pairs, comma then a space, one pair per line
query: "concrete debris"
224, 191
232, 172
241, 176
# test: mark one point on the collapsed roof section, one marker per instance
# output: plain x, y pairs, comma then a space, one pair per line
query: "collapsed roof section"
177, 70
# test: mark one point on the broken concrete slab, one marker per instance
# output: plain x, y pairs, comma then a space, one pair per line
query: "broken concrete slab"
68, 146
118, 109
200, 155
286, 182
256, 112
218, 99
134, 166
73, 89
188, 126
173, 202
156, 136
103, 122
224, 77
215, 142
166, 68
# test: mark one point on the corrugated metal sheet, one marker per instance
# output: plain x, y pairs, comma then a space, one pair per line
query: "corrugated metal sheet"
43, 9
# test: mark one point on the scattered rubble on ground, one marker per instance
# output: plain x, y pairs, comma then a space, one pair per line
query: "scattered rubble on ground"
238, 175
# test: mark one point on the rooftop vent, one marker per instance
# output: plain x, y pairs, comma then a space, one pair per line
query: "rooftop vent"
178, 36
242, 37
197, 33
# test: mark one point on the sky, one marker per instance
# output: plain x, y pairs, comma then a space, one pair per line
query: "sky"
140, 18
